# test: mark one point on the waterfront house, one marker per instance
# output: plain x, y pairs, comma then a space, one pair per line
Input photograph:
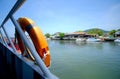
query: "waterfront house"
73, 36
55, 35
76, 35
117, 34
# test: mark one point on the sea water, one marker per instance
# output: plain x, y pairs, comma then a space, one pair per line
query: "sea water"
85, 60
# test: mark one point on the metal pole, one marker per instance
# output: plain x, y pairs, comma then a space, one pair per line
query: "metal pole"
13, 10
14, 49
46, 73
3, 40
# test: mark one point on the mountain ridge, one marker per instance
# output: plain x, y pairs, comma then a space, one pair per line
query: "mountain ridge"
104, 31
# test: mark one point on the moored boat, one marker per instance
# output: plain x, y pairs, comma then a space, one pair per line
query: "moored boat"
117, 40
80, 39
93, 40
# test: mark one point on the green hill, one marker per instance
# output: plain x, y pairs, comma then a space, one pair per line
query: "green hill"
96, 31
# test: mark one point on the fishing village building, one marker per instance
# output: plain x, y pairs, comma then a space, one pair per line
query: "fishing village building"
117, 34
74, 35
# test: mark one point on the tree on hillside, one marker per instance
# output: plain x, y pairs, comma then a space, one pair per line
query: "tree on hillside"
96, 31
112, 32
47, 35
61, 35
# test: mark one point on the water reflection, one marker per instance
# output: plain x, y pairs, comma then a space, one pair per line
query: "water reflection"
79, 44
98, 45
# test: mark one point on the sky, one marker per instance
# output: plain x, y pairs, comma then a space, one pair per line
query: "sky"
71, 15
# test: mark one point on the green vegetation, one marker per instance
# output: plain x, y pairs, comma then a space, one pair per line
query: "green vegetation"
47, 35
61, 35
95, 31
112, 32
80, 31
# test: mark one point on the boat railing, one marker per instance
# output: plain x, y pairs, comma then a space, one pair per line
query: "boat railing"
44, 71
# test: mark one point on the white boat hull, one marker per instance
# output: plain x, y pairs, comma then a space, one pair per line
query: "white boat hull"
117, 40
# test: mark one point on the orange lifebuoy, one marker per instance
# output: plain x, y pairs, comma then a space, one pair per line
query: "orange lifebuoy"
37, 38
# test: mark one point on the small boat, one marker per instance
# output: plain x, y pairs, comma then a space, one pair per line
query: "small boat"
117, 40
109, 39
80, 39
93, 40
